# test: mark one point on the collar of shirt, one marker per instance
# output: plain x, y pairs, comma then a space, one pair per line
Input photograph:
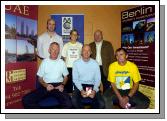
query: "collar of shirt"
98, 52
85, 61
53, 60
99, 43
54, 34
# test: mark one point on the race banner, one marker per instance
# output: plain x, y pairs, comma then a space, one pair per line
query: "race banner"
66, 22
138, 38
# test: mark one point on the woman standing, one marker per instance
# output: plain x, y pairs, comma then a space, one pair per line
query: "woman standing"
71, 52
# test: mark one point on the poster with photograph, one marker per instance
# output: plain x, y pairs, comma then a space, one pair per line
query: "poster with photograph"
20, 59
138, 38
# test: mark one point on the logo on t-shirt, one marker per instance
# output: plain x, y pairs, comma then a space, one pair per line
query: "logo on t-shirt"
121, 72
73, 53
123, 82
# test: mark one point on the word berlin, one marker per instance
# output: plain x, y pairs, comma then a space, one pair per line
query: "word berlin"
137, 12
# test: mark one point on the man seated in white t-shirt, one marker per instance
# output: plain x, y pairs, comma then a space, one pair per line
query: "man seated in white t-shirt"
51, 73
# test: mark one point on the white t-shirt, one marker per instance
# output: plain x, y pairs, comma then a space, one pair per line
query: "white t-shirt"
44, 42
98, 52
71, 52
52, 71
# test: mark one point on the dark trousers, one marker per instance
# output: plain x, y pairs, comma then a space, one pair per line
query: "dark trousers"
138, 101
69, 85
32, 99
97, 101
105, 82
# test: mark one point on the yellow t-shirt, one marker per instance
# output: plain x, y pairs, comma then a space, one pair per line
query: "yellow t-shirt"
123, 76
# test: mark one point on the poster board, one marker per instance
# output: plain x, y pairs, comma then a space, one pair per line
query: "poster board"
138, 38
20, 59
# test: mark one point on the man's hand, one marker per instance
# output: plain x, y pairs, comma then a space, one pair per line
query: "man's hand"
60, 88
92, 94
124, 101
83, 93
49, 87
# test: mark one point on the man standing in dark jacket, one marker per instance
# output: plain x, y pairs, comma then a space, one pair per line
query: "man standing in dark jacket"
103, 53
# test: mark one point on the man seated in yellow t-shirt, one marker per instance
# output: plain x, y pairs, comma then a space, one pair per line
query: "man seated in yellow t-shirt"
124, 77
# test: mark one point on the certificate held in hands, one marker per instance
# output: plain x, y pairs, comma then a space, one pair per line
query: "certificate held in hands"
88, 88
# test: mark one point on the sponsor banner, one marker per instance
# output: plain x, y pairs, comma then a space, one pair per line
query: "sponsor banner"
20, 59
20, 80
67, 25
66, 22
138, 38
27, 11
138, 13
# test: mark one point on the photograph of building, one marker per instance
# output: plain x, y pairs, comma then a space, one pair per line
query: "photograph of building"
26, 28
10, 26
25, 51
10, 51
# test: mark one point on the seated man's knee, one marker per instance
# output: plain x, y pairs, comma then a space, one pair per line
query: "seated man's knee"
74, 102
101, 104
68, 105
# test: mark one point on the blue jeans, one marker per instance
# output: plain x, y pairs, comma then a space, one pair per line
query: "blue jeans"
97, 101
138, 100
32, 99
